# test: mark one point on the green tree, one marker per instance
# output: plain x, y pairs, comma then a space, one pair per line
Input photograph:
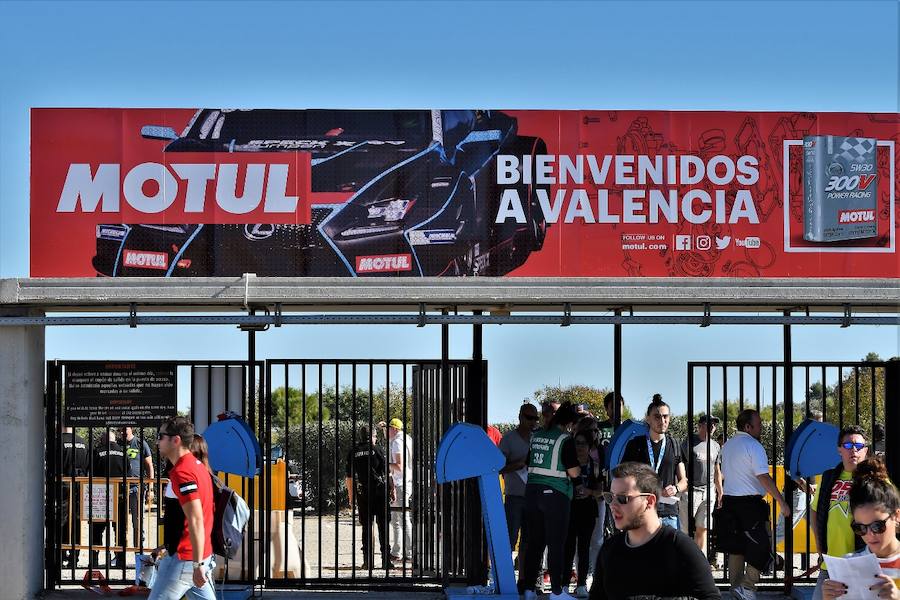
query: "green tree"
577, 394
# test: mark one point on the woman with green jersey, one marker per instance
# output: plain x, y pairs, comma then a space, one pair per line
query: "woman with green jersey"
552, 465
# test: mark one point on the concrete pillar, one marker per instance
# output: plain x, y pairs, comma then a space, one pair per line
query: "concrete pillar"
22, 466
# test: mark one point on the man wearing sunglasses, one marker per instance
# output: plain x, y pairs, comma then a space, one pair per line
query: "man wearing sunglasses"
515, 445
185, 570
830, 511
647, 559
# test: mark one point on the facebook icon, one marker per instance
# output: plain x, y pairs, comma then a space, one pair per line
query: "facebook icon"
682, 242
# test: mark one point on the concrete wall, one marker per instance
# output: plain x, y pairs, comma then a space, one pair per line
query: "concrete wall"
22, 460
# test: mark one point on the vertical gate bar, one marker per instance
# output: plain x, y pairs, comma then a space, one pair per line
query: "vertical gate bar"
53, 433
258, 567
474, 414
617, 371
873, 399
288, 516
824, 396
413, 459
840, 386
371, 431
319, 471
353, 441
691, 458
892, 418
337, 452
445, 506
773, 510
856, 391
305, 483
788, 481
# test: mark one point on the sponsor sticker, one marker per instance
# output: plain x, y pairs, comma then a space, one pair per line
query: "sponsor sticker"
108, 232
143, 259
384, 263
428, 237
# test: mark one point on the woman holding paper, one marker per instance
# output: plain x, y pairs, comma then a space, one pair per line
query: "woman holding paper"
875, 504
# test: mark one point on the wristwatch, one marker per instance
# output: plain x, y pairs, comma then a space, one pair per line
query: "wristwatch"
197, 565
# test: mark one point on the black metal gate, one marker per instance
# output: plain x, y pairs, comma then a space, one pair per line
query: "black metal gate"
306, 414
315, 413
79, 535
841, 393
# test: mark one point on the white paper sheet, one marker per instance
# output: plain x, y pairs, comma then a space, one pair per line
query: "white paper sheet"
857, 573
668, 499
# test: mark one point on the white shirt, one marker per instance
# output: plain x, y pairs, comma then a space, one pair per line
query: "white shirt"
743, 458
402, 444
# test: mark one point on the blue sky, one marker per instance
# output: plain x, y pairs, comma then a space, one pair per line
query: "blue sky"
813, 56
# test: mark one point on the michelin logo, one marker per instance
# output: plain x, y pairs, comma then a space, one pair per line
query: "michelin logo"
427, 237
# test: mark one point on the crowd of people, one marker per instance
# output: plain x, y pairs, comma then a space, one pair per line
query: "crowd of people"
622, 533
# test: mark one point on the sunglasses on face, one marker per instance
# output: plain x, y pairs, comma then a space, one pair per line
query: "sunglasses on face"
621, 499
875, 527
161, 434
853, 445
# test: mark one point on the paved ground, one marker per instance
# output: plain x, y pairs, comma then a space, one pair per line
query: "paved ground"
80, 594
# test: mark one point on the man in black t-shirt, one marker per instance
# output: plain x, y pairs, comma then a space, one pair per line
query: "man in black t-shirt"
648, 559
140, 464
660, 450
108, 464
369, 487
75, 463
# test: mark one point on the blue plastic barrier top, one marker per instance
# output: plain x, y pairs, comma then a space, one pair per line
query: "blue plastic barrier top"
232, 446
466, 451
812, 449
624, 432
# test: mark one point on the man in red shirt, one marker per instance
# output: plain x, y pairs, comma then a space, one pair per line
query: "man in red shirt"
188, 521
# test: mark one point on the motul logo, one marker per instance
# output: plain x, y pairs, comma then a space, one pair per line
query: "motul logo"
856, 216
152, 188
146, 260
383, 263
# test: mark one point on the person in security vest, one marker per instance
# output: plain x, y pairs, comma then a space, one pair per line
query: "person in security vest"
368, 486
831, 515
552, 466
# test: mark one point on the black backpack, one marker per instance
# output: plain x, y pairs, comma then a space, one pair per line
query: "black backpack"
229, 519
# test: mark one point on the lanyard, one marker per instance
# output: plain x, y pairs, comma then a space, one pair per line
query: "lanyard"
654, 462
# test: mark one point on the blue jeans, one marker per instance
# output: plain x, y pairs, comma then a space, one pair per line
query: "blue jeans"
175, 578
671, 521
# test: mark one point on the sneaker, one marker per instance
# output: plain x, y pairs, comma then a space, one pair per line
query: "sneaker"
581, 591
545, 581
741, 593
529, 595
563, 595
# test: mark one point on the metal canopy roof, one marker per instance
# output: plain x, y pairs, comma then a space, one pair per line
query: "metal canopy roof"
464, 294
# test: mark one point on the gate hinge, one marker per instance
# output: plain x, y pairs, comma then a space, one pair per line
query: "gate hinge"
707, 314
132, 315
421, 322
846, 320
567, 315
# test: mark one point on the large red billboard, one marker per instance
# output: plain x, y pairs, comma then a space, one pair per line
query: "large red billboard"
365, 193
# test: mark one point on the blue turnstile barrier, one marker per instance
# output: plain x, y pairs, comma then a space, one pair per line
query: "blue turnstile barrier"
626, 430
465, 452
812, 449
232, 446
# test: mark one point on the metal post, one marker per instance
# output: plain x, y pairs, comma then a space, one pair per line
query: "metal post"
892, 417
251, 418
617, 371
788, 482
446, 516
475, 413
